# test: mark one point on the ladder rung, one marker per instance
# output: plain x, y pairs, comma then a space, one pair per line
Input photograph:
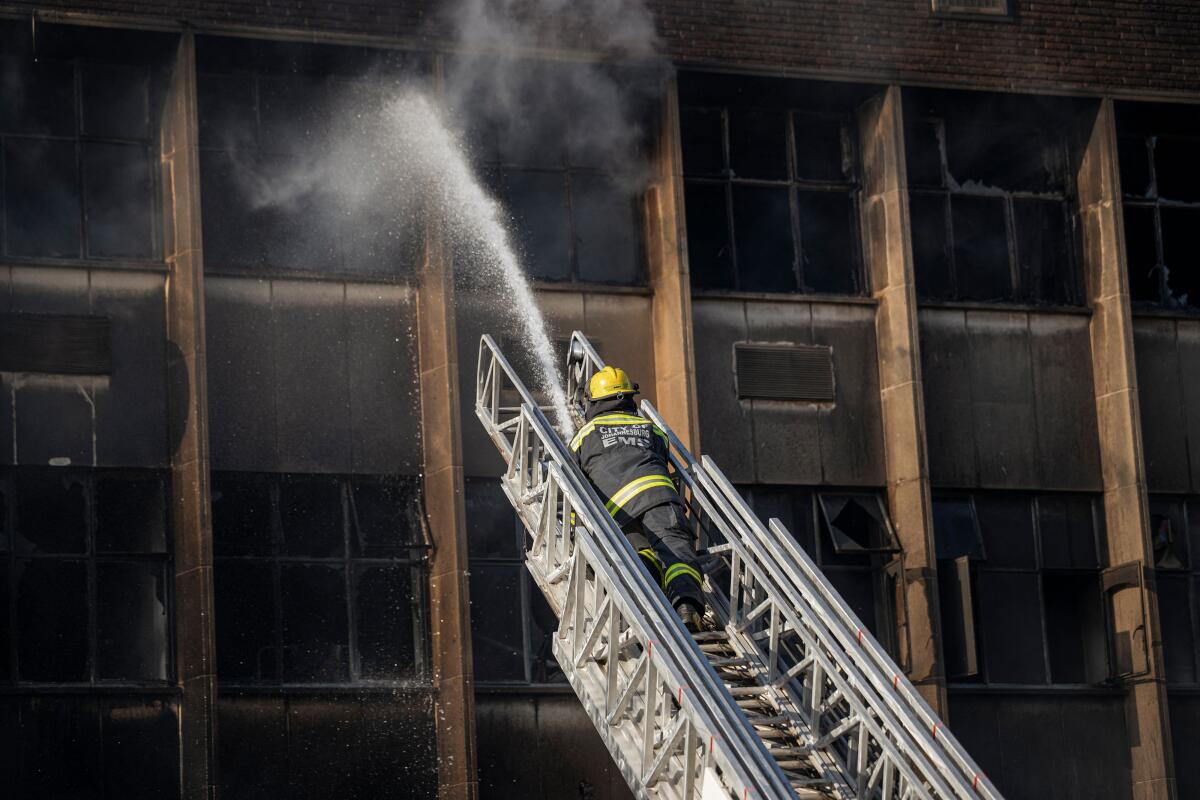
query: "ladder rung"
748, 691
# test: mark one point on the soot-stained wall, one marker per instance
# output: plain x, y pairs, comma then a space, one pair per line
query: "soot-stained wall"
763, 441
1008, 400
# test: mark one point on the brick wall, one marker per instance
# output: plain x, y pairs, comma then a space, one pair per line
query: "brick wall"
1112, 46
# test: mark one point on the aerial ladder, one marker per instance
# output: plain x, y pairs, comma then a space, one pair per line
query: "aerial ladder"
787, 696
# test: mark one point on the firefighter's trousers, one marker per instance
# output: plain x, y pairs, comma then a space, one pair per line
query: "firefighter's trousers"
663, 540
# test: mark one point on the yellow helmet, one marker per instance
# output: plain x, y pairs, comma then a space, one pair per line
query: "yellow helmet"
608, 382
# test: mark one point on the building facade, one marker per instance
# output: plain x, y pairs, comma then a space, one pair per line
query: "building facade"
252, 541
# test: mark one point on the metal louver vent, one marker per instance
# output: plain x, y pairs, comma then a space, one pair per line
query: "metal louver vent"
784, 372
55, 344
990, 8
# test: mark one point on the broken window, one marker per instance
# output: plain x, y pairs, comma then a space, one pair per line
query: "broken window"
1160, 184
294, 173
319, 579
1019, 586
77, 156
85, 574
512, 626
1175, 537
854, 545
991, 198
574, 196
771, 186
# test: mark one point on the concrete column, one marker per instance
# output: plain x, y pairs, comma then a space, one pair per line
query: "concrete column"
187, 385
889, 260
449, 602
1135, 613
666, 246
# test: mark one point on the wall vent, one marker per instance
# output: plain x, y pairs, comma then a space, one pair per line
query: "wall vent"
56, 344
784, 372
974, 8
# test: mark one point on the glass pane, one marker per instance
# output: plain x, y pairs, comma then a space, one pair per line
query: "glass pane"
41, 195
922, 140
36, 96
1011, 626
244, 600
311, 516
226, 111
497, 634
119, 200
930, 241
1044, 251
792, 506
131, 515
52, 512
5, 632
493, 530
955, 530
1007, 526
5, 506
606, 241
819, 152
388, 612
385, 516
710, 253
1134, 158
1193, 515
1178, 634
241, 514
758, 143
131, 622
857, 588
1068, 532
116, 101
828, 241
538, 203
1006, 156
1176, 168
981, 248
702, 132
1181, 243
856, 523
1168, 533
315, 642
1074, 627
52, 620
1141, 254
762, 222
234, 231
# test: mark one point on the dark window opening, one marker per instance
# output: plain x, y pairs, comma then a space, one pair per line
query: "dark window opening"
1175, 536
1020, 588
771, 185
992, 198
319, 579
512, 625
1160, 184
78, 150
85, 578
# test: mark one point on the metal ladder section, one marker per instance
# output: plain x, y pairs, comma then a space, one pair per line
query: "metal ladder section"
789, 696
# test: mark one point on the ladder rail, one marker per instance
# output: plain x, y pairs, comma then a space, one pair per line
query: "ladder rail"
538, 464
925, 735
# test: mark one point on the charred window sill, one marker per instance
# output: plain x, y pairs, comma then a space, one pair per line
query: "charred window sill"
784, 297
398, 278
592, 288
126, 265
1146, 312
245, 690
1053, 689
42, 689
524, 688
1019, 308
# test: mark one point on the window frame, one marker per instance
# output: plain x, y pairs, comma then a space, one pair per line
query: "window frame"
92, 558
1188, 505
415, 556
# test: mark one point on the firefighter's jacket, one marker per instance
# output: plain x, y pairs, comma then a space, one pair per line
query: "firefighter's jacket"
625, 457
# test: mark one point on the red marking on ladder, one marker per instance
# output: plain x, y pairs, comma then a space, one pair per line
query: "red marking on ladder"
649, 647
710, 743
860, 632
975, 783
895, 681
936, 725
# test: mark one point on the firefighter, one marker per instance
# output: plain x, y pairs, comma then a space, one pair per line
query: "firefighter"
625, 457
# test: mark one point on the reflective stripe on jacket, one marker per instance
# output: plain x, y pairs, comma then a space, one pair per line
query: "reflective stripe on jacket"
625, 457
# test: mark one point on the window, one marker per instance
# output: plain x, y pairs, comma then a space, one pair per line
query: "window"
975, 9
320, 579
991, 199
573, 196
1160, 184
1175, 533
771, 187
1019, 586
85, 578
293, 176
78, 160
850, 537
512, 626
